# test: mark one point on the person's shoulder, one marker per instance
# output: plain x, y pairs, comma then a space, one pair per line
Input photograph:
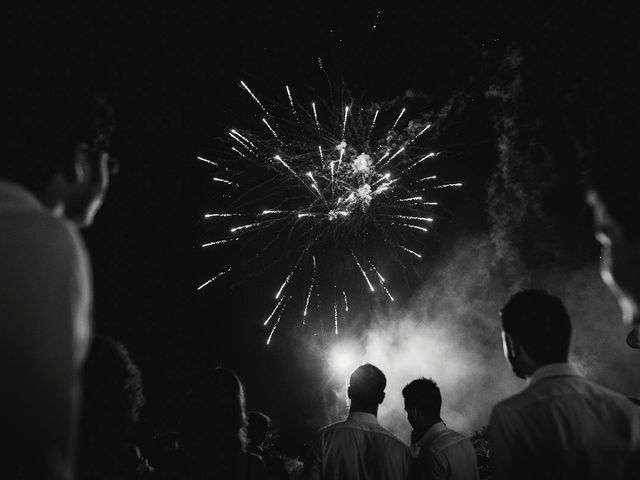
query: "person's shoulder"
391, 439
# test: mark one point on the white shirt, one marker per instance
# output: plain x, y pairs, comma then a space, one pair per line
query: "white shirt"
357, 449
565, 426
442, 453
45, 302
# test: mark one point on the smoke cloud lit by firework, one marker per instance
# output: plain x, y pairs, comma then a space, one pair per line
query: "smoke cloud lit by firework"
450, 332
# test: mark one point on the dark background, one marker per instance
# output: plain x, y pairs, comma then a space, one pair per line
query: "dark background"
172, 70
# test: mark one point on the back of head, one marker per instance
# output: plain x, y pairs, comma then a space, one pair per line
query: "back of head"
366, 385
112, 392
112, 398
46, 119
540, 323
424, 395
214, 423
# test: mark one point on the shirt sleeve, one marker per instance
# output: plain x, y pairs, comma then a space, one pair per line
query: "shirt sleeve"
45, 298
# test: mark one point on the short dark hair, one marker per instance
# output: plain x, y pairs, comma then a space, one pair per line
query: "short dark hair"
423, 394
540, 323
367, 384
45, 124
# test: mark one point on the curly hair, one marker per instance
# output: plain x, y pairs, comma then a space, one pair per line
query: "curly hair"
112, 390
45, 123
213, 430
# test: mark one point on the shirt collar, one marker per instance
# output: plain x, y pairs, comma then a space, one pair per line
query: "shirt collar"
16, 197
431, 432
363, 417
563, 369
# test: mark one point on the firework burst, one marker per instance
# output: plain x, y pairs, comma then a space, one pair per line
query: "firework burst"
326, 190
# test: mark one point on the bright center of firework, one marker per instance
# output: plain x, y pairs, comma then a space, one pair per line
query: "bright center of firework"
342, 360
341, 146
364, 193
362, 164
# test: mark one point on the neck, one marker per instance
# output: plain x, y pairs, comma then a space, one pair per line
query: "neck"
372, 409
425, 425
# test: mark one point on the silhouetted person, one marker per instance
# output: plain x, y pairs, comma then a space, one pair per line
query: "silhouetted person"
257, 430
439, 452
111, 401
213, 432
561, 425
614, 194
359, 448
54, 176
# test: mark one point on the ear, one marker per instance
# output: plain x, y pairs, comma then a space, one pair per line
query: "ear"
382, 397
349, 392
79, 169
510, 345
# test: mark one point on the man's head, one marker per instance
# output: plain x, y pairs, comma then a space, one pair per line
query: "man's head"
57, 147
536, 331
422, 402
614, 195
366, 387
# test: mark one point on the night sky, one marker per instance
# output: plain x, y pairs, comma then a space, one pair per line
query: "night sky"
172, 73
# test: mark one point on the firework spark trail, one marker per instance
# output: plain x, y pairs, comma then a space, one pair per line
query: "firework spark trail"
373, 124
238, 134
210, 215
410, 199
387, 292
273, 132
218, 242
244, 85
344, 123
335, 316
214, 278
373, 267
273, 329
395, 155
315, 115
449, 185
364, 274
222, 180
240, 141
293, 107
238, 152
397, 119
321, 156
346, 303
273, 312
286, 281
431, 177
248, 225
313, 281
279, 158
418, 135
416, 227
202, 159
410, 217
410, 251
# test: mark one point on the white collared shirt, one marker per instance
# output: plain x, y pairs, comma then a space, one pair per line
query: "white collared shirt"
565, 426
357, 449
45, 303
442, 453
